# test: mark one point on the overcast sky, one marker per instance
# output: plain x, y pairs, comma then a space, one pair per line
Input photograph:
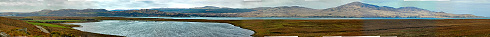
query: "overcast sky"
476, 7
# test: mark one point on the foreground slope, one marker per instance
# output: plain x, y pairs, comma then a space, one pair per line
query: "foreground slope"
19, 28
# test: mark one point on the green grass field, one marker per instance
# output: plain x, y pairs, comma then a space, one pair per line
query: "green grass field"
55, 20
45, 24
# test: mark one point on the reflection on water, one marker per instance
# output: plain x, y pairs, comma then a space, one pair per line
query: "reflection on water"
287, 18
163, 29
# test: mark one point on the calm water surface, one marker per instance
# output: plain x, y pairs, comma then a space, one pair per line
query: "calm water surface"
163, 29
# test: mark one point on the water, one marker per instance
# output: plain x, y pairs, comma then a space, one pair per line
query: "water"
287, 18
163, 29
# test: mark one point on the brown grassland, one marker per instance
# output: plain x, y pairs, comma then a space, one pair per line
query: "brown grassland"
318, 28
14, 27
388, 27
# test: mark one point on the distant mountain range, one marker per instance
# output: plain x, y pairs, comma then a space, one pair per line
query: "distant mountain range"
351, 10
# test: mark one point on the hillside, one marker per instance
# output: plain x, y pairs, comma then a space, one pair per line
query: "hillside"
355, 9
283, 11
206, 9
140, 13
19, 28
350, 10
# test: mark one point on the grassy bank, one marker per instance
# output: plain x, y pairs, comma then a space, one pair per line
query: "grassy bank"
318, 28
56, 20
21, 28
45, 24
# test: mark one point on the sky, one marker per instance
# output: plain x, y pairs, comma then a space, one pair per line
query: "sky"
475, 7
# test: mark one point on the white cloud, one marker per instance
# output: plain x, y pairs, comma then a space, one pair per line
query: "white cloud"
19, 4
471, 1
144, 0
101, 0
76, 0
252, 0
312, 0
426, 0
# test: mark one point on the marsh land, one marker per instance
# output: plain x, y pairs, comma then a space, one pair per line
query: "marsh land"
333, 27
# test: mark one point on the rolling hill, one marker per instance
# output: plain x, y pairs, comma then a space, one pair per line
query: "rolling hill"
350, 10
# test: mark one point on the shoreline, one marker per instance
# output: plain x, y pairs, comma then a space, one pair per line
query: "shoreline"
175, 21
353, 27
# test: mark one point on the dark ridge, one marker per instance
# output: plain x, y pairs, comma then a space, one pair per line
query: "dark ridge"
375, 7
411, 9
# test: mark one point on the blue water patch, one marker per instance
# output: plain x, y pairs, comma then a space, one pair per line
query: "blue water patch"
285, 18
